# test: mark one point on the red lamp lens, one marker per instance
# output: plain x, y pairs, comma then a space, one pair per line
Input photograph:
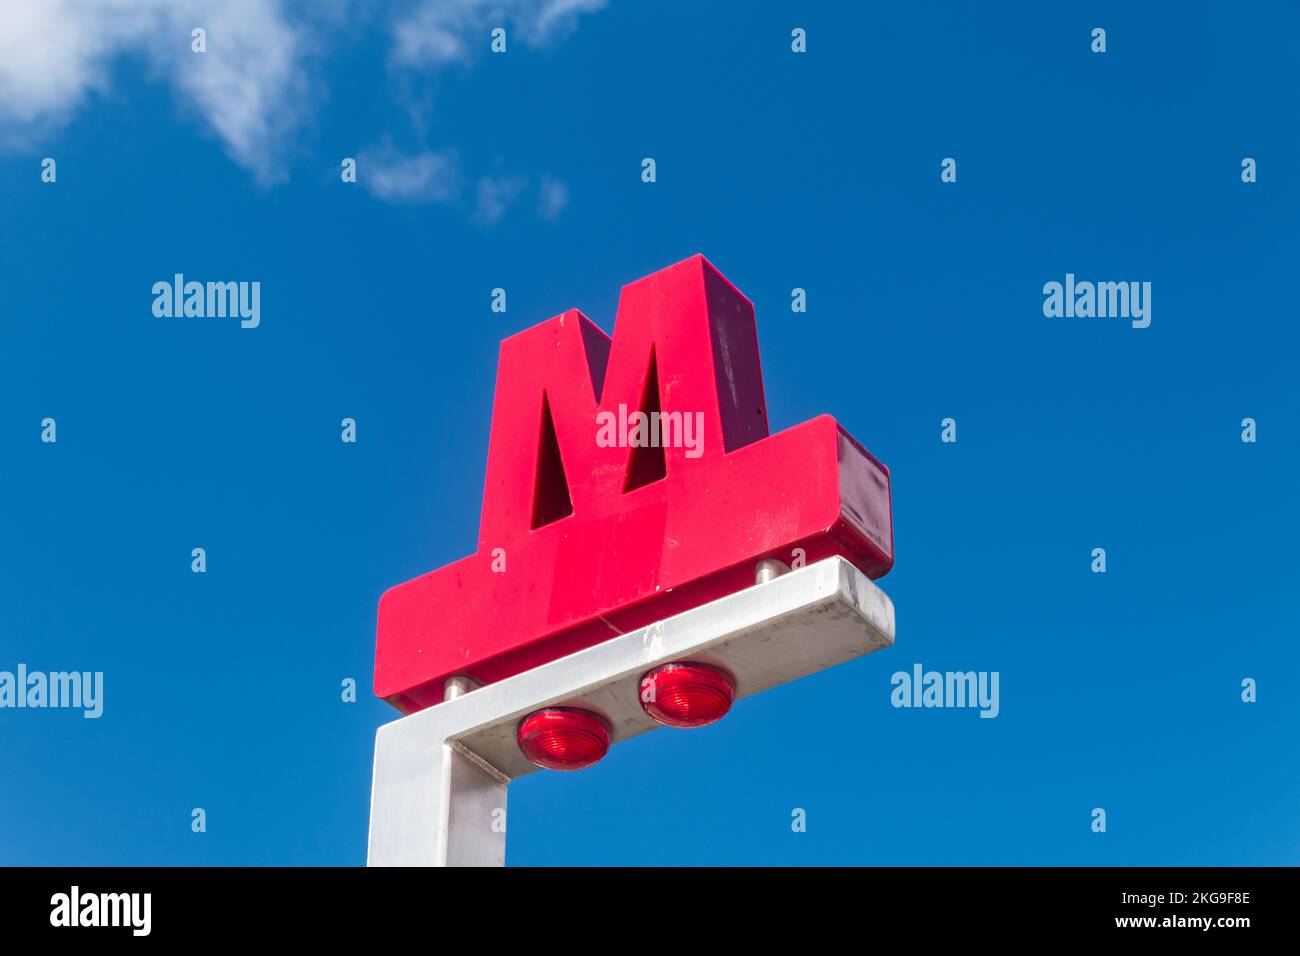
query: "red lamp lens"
687, 695
563, 738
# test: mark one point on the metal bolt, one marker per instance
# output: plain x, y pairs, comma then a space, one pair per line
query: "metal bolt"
769, 568
456, 686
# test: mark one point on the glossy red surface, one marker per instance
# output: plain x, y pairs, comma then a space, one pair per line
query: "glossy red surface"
581, 540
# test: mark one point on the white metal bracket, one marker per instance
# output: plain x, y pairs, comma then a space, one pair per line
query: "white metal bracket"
441, 775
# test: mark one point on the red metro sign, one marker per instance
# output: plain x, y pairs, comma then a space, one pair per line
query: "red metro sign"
629, 480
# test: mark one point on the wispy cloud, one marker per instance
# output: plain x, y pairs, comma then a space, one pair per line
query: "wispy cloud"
248, 87
495, 195
250, 84
436, 33
398, 177
552, 197
429, 176
253, 87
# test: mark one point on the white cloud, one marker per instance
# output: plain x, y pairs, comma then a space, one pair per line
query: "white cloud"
439, 32
53, 53
248, 87
250, 84
431, 35
431, 176
495, 196
552, 197
251, 88
398, 177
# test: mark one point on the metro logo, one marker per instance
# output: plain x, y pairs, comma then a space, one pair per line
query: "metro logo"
601, 539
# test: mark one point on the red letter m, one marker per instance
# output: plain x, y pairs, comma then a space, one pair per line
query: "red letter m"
583, 538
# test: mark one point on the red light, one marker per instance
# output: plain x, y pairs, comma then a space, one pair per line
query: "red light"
564, 738
687, 695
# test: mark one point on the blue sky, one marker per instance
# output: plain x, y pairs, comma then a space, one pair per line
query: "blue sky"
222, 690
